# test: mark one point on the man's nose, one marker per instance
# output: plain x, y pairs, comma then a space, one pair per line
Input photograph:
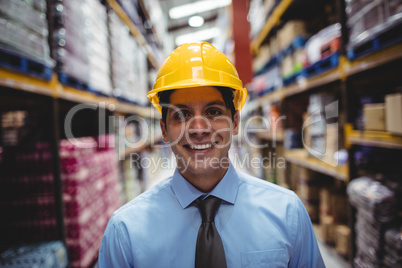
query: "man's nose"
199, 125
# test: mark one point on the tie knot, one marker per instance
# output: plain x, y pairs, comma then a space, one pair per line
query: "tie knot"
208, 207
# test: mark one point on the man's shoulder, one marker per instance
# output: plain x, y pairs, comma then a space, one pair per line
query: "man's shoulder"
152, 197
265, 186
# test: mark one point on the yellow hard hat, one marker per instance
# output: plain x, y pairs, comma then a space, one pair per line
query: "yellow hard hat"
197, 64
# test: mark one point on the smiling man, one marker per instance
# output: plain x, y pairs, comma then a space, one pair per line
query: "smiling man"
199, 126
207, 214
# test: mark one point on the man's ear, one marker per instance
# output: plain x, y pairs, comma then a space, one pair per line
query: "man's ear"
236, 123
164, 131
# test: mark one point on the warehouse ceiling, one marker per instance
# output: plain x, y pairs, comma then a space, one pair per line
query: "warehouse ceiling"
180, 13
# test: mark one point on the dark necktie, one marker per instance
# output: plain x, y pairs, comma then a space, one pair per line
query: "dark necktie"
209, 251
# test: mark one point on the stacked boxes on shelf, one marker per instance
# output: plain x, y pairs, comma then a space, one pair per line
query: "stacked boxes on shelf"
376, 206
44, 255
293, 54
90, 194
333, 216
320, 127
128, 63
26, 185
266, 81
25, 28
98, 47
157, 165
393, 113
372, 25
382, 116
374, 116
342, 240
81, 45
267, 69
17, 125
129, 138
322, 51
131, 8
393, 248
260, 10
307, 185
291, 38
131, 183
27, 194
24, 35
157, 29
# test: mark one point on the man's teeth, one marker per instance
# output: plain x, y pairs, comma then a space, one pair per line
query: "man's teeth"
200, 146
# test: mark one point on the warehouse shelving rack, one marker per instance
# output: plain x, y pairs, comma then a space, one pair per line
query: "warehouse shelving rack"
340, 76
28, 88
345, 69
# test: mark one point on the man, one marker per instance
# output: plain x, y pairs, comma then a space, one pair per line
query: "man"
207, 214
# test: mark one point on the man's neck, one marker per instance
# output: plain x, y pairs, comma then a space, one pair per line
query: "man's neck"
205, 182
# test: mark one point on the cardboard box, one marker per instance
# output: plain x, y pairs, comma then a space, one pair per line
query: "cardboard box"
374, 116
327, 230
274, 45
339, 207
342, 237
281, 169
331, 142
393, 111
325, 203
334, 204
289, 31
287, 66
263, 56
299, 60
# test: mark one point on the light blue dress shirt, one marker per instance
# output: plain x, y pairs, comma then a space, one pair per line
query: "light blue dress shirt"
261, 225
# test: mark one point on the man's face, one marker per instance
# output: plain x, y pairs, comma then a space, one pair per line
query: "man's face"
199, 128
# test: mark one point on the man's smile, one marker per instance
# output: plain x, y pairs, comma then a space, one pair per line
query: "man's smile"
203, 147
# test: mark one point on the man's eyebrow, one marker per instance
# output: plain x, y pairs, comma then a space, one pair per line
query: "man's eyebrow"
180, 106
216, 103
184, 106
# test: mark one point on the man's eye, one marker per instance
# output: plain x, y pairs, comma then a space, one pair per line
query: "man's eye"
214, 112
181, 115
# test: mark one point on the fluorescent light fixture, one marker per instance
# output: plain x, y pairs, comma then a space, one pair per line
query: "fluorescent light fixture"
198, 36
196, 21
197, 7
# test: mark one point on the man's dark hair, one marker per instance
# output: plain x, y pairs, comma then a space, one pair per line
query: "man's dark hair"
226, 92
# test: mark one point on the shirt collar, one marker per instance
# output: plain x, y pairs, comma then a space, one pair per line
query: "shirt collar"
226, 189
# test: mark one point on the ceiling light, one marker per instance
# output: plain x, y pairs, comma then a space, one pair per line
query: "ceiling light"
197, 7
198, 36
196, 21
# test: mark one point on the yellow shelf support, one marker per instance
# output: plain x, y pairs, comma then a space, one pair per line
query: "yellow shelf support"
53, 88
373, 138
345, 69
28, 83
373, 60
271, 135
301, 158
